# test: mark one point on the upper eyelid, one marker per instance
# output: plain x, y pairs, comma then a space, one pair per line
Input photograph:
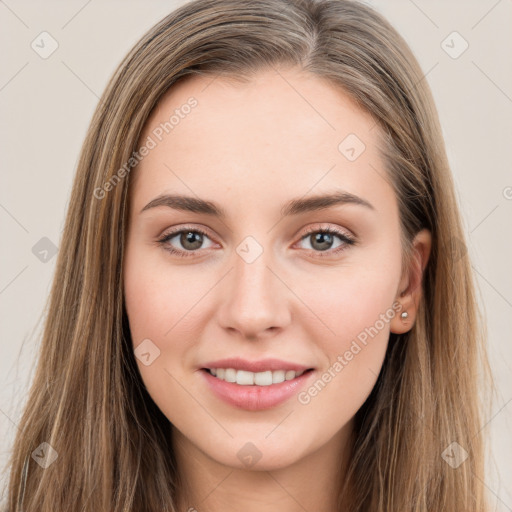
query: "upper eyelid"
177, 231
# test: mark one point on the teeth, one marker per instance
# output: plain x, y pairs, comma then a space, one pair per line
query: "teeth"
245, 378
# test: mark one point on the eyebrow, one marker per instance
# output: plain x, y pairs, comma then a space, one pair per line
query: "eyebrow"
292, 207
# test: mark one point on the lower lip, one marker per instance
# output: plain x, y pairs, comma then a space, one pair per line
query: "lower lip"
255, 398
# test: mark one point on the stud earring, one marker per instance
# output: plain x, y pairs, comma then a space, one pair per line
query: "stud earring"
404, 315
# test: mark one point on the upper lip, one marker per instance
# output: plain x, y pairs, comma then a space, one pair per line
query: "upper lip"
255, 366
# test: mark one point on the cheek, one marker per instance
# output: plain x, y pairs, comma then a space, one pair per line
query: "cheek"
352, 297
165, 305
154, 309
155, 297
355, 307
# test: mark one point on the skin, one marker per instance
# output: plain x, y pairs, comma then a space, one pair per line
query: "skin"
251, 148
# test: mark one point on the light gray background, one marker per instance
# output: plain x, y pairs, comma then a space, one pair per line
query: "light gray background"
46, 105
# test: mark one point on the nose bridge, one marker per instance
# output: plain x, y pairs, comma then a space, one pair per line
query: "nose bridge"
252, 274
255, 299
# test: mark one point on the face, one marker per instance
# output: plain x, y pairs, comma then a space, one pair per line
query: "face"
311, 283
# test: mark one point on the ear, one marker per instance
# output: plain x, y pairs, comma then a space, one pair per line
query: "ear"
410, 288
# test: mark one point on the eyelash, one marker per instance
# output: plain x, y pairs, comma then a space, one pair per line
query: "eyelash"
346, 239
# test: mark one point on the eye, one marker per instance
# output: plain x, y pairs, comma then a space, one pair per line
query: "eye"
324, 238
190, 239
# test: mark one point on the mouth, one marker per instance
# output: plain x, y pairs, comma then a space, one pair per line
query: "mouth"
256, 391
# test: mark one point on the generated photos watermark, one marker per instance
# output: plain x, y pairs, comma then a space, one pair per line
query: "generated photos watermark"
305, 397
151, 142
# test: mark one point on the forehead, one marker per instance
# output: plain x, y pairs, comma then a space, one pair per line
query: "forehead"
279, 135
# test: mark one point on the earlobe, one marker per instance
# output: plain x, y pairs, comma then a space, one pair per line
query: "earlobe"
411, 288
403, 320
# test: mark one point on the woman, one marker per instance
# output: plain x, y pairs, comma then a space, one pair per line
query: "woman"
260, 298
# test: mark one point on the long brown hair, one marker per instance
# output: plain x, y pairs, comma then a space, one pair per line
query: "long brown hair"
87, 400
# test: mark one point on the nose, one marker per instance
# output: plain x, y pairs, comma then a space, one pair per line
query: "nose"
255, 299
